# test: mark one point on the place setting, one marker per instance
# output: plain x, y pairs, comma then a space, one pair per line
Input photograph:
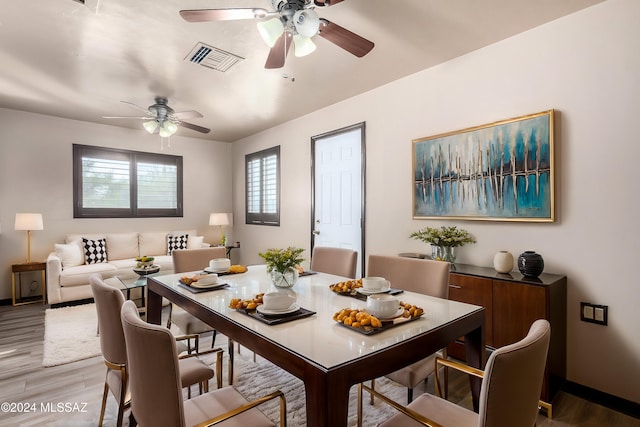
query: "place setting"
222, 267
382, 311
364, 287
272, 308
202, 283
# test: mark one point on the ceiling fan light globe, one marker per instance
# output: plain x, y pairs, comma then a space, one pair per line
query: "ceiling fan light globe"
171, 127
303, 45
270, 30
306, 22
150, 126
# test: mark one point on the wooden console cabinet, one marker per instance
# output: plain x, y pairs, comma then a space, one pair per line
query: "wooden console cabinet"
512, 304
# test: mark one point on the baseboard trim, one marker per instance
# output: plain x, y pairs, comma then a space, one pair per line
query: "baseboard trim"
610, 401
7, 301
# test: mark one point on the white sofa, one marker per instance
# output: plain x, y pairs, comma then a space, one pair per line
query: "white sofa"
69, 266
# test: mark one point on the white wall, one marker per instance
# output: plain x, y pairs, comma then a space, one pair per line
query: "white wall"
36, 176
586, 66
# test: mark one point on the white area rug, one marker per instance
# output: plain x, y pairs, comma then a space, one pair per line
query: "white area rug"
70, 334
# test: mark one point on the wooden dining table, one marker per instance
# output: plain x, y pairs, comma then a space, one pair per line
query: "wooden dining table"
328, 357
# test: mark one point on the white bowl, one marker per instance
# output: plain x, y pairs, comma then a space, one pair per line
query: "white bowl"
220, 264
278, 300
208, 279
373, 284
382, 305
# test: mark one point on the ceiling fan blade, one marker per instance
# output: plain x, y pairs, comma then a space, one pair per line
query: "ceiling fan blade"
128, 117
190, 114
136, 106
321, 3
340, 36
203, 15
278, 53
195, 127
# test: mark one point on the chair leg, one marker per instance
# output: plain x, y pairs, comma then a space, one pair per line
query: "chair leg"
170, 312
409, 395
231, 357
373, 387
104, 403
132, 420
360, 404
213, 338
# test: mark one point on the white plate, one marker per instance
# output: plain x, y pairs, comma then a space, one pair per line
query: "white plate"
199, 285
219, 270
378, 291
262, 310
399, 313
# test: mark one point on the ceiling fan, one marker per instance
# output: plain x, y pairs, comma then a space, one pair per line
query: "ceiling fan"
292, 20
163, 119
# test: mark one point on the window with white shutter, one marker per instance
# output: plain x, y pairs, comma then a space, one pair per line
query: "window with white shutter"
113, 183
263, 187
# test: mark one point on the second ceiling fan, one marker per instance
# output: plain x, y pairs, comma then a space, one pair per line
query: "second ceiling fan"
292, 21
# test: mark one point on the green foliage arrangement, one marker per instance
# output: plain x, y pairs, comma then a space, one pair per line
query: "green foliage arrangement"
443, 236
281, 259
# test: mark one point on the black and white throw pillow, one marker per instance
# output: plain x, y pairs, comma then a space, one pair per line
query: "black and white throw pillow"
95, 251
176, 242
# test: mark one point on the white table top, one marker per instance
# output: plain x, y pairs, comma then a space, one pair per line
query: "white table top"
319, 338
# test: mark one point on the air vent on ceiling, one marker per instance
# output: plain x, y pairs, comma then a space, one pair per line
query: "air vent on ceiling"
79, 1
212, 57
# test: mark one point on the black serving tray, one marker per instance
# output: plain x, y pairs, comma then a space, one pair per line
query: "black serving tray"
386, 324
199, 290
279, 318
362, 297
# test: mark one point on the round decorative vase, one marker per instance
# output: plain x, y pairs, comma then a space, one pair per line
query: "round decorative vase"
503, 262
284, 279
443, 253
530, 264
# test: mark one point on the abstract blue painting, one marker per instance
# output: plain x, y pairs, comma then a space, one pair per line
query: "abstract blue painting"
503, 171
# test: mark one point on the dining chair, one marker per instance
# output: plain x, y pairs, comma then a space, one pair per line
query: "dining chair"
186, 260
109, 301
156, 399
337, 261
509, 395
422, 276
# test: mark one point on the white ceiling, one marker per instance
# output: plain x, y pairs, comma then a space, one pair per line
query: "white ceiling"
62, 58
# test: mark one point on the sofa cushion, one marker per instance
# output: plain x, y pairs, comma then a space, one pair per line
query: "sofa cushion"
95, 251
71, 254
79, 275
122, 246
195, 242
73, 237
152, 244
175, 242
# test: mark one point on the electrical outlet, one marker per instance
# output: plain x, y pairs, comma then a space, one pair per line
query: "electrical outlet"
594, 313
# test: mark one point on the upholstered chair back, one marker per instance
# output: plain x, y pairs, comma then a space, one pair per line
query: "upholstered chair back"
108, 301
513, 380
195, 259
156, 391
411, 274
338, 261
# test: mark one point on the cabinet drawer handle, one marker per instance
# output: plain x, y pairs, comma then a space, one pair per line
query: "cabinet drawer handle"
455, 286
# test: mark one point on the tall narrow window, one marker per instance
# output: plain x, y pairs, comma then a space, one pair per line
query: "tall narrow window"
112, 183
263, 187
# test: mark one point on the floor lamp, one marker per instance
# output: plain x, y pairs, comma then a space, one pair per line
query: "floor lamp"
29, 222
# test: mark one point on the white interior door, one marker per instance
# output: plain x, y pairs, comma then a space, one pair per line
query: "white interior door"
338, 205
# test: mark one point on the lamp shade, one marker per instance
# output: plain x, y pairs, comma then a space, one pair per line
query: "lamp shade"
221, 219
29, 221
150, 126
271, 30
168, 128
306, 22
303, 45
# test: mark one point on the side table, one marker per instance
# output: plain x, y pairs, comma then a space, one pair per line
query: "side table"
23, 268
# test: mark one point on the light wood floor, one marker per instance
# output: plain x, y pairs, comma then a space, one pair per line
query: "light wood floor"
24, 380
